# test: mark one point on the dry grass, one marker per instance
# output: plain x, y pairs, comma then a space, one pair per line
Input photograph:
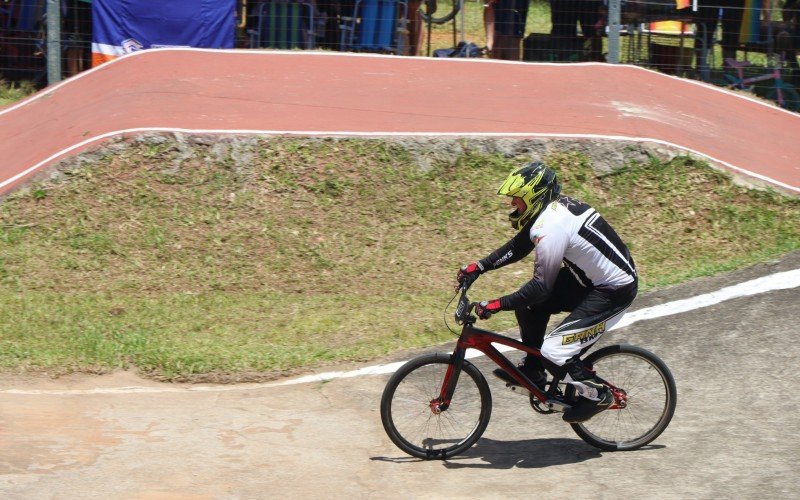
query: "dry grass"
245, 259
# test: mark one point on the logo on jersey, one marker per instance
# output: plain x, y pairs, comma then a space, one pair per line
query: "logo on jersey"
504, 258
585, 336
574, 206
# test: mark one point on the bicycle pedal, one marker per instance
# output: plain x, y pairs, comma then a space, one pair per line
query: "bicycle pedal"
557, 405
553, 405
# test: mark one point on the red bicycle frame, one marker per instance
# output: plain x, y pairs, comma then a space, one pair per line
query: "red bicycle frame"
483, 340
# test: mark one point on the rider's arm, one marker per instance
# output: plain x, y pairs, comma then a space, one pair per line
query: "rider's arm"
515, 249
550, 247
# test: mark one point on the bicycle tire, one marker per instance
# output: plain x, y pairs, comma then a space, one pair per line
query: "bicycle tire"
415, 428
652, 397
791, 99
428, 18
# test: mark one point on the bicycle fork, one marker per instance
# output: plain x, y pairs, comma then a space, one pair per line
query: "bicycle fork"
450, 381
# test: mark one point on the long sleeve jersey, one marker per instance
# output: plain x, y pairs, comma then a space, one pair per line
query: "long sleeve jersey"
571, 233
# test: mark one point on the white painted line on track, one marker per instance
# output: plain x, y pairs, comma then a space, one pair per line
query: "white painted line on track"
778, 281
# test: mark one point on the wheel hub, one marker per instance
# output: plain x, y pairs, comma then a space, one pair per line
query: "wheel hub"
437, 406
620, 399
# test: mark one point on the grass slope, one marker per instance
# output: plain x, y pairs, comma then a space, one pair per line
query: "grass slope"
246, 259
13, 92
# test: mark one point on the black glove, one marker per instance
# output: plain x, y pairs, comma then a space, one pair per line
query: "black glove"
468, 274
485, 309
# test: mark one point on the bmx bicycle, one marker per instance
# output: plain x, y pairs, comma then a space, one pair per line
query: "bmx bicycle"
780, 91
438, 405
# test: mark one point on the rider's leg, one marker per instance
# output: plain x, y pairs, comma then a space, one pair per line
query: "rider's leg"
567, 294
532, 325
563, 347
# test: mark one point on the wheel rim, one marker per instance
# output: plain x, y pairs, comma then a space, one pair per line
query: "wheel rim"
424, 429
647, 401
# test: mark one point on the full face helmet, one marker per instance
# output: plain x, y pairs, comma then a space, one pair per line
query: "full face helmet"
532, 187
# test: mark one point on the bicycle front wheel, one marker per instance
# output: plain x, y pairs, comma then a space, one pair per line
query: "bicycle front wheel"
415, 423
651, 397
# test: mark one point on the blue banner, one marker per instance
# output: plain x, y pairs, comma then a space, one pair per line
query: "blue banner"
120, 27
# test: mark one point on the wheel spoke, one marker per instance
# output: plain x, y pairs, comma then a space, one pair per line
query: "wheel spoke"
419, 429
650, 399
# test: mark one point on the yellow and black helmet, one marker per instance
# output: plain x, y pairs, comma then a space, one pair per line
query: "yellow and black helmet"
536, 185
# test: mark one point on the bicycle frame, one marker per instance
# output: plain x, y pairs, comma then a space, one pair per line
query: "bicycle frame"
483, 340
741, 81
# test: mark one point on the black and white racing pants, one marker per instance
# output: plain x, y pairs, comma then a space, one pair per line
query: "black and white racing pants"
592, 313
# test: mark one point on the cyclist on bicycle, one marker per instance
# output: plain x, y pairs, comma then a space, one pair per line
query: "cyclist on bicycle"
581, 266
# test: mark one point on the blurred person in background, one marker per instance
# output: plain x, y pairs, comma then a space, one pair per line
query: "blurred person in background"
505, 27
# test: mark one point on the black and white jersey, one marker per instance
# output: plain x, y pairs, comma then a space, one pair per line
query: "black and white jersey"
571, 233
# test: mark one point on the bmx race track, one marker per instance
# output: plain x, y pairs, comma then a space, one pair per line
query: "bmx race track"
732, 354
333, 94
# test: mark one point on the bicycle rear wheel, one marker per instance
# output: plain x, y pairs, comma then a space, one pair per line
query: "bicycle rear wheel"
791, 99
651, 398
413, 422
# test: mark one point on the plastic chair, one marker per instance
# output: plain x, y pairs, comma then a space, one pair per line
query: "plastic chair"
283, 24
375, 26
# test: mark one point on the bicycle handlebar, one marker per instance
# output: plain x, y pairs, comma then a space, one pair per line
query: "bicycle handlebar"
465, 307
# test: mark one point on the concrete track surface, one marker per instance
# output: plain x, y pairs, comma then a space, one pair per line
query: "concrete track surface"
734, 434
